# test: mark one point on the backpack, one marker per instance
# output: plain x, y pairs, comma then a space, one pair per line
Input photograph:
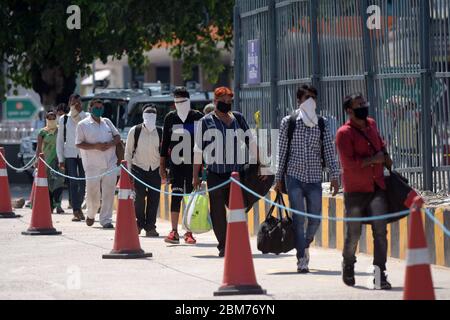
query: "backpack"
137, 134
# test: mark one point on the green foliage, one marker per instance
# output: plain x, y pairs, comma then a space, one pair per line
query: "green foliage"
37, 38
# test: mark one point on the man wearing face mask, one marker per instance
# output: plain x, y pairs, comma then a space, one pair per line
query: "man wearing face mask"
363, 154
69, 155
305, 147
179, 128
97, 138
142, 156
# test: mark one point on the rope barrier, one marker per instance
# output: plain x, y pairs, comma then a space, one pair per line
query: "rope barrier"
305, 214
77, 178
309, 215
172, 193
26, 167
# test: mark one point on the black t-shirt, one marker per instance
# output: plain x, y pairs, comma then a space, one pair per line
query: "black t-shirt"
172, 121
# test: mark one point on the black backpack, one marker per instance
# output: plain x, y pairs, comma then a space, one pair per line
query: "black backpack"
276, 234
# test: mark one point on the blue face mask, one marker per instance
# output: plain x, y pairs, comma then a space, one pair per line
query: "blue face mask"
97, 112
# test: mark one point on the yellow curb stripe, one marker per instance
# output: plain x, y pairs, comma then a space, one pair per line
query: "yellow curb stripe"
403, 237
439, 238
325, 208
369, 239
250, 220
339, 224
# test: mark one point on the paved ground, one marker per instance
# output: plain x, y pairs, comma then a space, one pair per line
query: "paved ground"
70, 266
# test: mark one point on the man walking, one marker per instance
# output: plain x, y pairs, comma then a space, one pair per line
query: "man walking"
179, 124
69, 155
142, 156
362, 154
97, 138
301, 158
223, 124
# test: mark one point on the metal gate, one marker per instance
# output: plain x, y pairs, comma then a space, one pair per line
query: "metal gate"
402, 68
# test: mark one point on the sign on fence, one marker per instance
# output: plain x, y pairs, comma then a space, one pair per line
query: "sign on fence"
253, 70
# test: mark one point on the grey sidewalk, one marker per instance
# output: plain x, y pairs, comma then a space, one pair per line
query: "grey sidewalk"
49, 268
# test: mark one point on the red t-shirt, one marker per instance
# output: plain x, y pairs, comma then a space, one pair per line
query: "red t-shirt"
353, 148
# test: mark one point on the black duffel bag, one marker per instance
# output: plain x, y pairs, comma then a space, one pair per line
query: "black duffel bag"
276, 234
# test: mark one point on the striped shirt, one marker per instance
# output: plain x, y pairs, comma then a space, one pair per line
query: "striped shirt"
219, 161
304, 159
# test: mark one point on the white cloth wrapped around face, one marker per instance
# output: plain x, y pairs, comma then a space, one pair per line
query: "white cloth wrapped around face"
308, 113
183, 106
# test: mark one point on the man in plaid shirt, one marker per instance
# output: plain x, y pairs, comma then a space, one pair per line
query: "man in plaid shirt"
301, 165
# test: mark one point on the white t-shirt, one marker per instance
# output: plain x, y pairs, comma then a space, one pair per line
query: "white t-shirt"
89, 131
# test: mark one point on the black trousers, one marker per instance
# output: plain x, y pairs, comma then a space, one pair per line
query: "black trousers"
147, 200
361, 204
218, 200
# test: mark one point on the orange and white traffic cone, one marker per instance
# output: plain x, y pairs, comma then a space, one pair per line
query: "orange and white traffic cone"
41, 214
418, 280
126, 239
6, 211
239, 273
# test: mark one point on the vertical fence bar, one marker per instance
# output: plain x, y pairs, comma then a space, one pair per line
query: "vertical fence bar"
426, 81
368, 65
237, 58
273, 65
315, 54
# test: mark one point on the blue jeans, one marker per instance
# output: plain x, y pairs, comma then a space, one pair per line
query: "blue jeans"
299, 193
77, 188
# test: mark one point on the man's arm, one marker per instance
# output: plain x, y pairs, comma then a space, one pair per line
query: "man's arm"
129, 146
80, 141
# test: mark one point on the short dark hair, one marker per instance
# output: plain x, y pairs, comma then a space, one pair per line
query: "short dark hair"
61, 107
301, 92
96, 101
348, 100
149, 107
181, 92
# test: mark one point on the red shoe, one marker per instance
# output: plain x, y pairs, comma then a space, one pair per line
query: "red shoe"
189, 238
173, 237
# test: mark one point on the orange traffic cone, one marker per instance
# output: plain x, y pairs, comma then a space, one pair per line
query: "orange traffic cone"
5, 196
239, 273
41, 214
126, 239
418, 281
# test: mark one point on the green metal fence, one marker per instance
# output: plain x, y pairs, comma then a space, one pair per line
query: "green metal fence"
403, 68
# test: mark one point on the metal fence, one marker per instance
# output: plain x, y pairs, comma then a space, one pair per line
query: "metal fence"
403, 68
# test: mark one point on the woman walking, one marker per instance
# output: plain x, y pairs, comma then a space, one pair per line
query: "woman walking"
47, 145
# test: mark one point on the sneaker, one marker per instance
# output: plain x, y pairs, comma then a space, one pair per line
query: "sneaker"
189, 238
108, 226
173, 237
152, 233
60, 210
302, 265
90, 222
348, 274
384, 283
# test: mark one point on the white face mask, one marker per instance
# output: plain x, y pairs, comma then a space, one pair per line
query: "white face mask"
308, 113
149, 120
183, 108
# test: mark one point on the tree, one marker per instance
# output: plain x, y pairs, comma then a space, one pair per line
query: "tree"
43, 54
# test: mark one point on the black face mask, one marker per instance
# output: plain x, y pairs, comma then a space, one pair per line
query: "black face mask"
223, 107
361, 113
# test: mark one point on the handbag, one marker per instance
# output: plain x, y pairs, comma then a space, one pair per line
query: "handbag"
399, 194
276, 234
196, 218
250, 178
